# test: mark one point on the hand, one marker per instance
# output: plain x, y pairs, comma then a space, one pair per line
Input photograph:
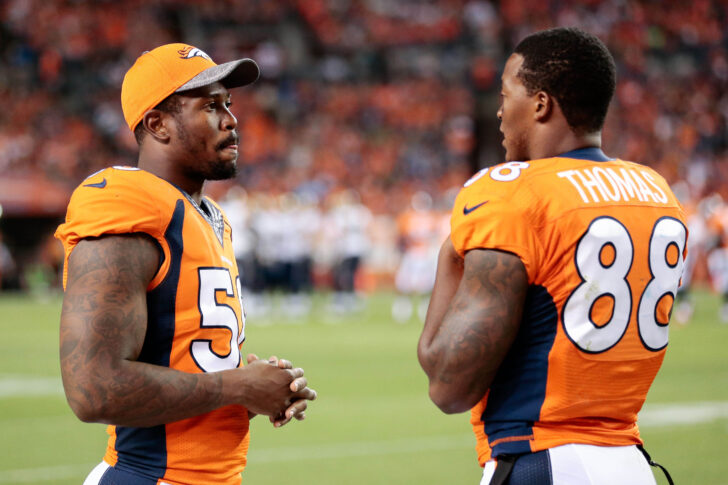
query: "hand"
298, 406
300, 392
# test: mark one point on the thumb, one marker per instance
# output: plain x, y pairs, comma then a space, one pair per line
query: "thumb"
252, 358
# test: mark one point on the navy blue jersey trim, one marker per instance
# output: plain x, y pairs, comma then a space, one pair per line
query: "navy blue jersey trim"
162, 299
144, 450
595, 154
519, 388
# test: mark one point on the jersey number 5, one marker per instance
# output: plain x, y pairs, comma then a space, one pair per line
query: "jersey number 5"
217, 315
604, 257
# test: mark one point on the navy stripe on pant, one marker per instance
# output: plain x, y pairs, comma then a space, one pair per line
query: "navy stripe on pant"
532, 469
113, 476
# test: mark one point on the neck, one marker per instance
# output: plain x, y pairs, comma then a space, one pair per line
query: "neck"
552, 139
167, 170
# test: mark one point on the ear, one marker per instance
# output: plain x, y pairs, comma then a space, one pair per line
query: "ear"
545, 105
156, 123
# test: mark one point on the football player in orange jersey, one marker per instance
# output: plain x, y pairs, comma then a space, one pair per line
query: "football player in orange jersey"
549, 316
152, 319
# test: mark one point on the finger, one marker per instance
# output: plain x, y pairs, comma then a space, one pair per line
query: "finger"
285, 364
252, 358
296, 373
296, 408
273, 360
293, 411
307, 393
282, 421
298, 384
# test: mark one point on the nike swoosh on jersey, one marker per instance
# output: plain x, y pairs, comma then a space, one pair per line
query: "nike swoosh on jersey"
98, 185
467, 210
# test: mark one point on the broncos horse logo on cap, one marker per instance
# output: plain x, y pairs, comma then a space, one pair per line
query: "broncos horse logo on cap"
189, 52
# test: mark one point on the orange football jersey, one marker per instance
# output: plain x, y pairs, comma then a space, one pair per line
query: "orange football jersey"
603, 242
195, 318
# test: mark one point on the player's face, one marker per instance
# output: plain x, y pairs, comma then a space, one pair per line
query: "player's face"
206, 137
515, 112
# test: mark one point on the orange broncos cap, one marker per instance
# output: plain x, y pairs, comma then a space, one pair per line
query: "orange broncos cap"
173, 68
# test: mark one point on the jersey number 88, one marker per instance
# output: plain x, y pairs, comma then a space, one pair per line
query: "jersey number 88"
608, 279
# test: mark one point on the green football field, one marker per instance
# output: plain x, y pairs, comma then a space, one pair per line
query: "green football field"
373, 422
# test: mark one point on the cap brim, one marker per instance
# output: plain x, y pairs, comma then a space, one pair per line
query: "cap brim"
231, 74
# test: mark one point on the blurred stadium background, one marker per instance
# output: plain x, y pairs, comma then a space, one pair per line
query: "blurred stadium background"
368, 117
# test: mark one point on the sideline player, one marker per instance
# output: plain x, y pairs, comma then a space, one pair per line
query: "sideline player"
152, 320
420, 236
553, 293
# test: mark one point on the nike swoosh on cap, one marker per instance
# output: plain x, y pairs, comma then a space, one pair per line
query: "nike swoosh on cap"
98, 185
467, 210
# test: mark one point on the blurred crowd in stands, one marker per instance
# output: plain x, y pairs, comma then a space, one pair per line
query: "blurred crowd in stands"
368, 117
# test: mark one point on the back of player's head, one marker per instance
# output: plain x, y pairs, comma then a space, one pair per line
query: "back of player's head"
574, 67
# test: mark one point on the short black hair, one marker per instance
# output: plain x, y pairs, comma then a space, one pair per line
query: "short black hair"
574, 67
170, 104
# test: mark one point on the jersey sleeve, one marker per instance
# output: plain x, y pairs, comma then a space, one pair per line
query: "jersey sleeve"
491, 214
108, 202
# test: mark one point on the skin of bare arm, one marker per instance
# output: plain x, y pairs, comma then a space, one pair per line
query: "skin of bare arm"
103, 324
472, 321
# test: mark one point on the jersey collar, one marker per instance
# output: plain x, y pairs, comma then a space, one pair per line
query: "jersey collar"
594, 154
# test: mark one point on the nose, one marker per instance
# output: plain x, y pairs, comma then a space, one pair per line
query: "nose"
229, 121
499, 113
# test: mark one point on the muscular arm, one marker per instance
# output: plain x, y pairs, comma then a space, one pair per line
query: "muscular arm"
473, 318
103, 324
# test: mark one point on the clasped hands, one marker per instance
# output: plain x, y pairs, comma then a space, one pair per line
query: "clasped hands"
294, 399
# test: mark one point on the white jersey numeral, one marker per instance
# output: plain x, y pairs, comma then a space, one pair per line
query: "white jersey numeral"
668, 238
604, 257
508, 171
216, 315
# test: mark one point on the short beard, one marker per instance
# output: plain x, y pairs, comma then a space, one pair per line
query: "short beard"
220, 170
213, 170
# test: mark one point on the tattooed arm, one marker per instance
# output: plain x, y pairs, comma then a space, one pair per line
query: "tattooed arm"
103, 325
472, 320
